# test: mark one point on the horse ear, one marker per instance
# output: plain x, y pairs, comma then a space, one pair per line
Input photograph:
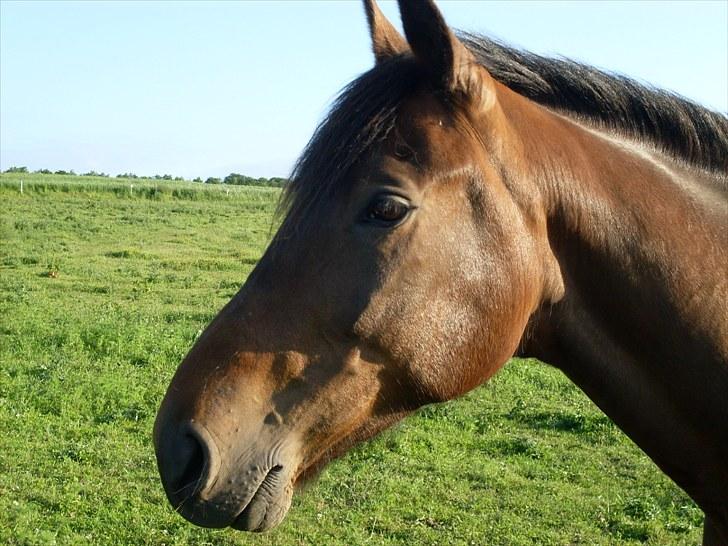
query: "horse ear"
451, 65
386, 41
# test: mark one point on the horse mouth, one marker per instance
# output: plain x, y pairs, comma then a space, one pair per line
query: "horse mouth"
268, 505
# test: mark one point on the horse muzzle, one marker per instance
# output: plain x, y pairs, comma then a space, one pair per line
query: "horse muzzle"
212, 484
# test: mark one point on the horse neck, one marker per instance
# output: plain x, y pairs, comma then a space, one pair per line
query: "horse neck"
642, 327
639, 238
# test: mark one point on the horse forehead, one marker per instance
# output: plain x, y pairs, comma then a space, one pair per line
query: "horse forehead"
434, 132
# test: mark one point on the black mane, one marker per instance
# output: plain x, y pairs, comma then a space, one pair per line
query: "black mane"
681, 128
366, 110
363, 114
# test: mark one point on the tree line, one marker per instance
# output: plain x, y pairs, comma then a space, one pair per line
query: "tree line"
234, 179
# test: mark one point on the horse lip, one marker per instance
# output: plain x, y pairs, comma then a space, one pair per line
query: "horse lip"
253, 516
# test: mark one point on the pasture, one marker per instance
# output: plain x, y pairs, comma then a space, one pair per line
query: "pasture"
103, 289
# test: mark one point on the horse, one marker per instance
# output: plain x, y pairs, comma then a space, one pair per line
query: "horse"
464, 202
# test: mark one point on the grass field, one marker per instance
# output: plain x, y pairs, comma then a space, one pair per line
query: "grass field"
102, 291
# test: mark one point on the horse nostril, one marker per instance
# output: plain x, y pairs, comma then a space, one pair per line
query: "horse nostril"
190, 463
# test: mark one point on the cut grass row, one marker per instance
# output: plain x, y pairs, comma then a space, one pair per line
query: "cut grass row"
101, 295
145, 188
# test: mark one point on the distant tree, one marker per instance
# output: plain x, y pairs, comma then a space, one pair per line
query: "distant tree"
178, 178
94, 173
43, 171
62, 172
126, 175
213, 180
17, 170
238, 179
242, 180
197, 179
167, 177
157, 177
277, 182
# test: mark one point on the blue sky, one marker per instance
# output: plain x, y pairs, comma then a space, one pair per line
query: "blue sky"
205, 89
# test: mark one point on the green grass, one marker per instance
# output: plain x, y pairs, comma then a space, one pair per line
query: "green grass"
148, 188
101, 294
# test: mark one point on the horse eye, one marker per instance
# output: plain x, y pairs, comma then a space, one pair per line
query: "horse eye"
387, 210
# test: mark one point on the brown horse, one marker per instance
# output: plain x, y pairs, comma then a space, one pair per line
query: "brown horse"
464, 202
